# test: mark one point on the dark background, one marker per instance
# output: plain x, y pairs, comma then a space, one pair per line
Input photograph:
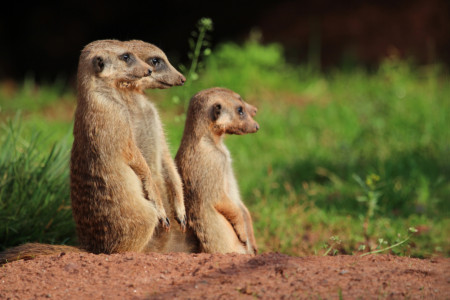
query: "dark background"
44, 40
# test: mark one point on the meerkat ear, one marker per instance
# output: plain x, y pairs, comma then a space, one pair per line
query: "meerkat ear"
216, 111
98, 64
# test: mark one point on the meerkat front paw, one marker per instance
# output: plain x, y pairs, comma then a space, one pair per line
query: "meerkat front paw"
242, 239
182, 222
253, 249
162, 217
165, 223
180, 217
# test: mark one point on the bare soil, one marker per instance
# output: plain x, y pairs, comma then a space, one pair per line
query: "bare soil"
206, 276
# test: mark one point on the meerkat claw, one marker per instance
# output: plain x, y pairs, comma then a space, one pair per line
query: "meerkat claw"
182, 223
165, 223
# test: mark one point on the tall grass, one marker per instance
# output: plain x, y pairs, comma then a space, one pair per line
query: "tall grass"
352, 155
34, 190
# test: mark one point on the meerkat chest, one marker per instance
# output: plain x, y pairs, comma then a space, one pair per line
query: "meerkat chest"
229, 181
147, 130
146, 127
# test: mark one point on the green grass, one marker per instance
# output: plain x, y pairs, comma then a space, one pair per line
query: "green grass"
34, 189
298, 175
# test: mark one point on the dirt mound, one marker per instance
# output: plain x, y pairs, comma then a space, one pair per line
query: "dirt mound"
206, 276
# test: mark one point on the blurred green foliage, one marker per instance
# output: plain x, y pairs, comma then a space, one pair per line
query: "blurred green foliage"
307, 175
34, 189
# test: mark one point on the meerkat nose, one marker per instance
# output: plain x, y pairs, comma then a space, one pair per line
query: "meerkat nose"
149, 72
257, 126
182, 80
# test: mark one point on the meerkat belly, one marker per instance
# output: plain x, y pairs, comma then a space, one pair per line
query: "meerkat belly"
231, 186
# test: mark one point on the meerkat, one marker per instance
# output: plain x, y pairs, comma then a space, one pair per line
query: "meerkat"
216, 214
151, 140
115, 202
116, 199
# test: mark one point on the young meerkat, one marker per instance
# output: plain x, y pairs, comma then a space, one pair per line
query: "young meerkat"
216, 213
115, 202
151, 140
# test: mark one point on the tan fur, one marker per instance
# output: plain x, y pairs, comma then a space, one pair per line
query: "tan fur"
116, 197
31, 250
216, 213
116, 204
151, 140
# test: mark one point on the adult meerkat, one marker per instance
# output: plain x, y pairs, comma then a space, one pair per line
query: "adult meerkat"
151, 140
115, 202
216, 213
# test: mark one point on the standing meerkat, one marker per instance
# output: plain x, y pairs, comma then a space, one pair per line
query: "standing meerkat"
216, 213
151, 140
115, 202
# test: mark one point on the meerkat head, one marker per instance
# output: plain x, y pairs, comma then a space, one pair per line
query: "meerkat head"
111, 60
224, 111
164, 75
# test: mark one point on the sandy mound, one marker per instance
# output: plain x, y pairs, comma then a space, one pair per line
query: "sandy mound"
206, 276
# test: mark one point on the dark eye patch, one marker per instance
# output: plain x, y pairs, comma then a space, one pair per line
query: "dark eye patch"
240, 110
155, 61
126, 57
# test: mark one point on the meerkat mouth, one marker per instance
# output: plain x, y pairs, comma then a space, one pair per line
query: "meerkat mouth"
164, 83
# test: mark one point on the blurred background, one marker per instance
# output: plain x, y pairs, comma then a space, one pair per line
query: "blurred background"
353, 98
45, 39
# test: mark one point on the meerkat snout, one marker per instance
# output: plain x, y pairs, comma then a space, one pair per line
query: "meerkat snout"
149, 72
164, 75
182, 80
251, 109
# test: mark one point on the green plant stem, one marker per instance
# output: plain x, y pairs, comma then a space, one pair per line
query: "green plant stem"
198, 47
328, 250
387, 248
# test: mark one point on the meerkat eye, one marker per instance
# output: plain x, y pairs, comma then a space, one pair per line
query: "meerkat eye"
240, 110
125, 57
155, 61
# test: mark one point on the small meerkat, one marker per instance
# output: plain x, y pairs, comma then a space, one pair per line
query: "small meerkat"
115, 202
216, 214
151, 140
